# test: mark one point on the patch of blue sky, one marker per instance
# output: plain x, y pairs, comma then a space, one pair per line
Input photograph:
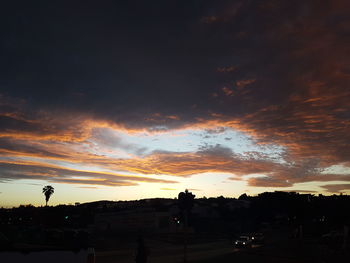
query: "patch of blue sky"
337, 169
193, 140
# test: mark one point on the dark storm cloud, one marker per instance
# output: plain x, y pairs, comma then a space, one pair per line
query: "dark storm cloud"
104, 57
122, 61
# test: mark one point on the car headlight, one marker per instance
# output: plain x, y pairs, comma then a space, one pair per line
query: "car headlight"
236, 242
243, 243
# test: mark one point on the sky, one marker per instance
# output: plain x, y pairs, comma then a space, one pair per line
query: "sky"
125, 100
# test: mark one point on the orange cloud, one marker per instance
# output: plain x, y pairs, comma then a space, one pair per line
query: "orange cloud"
227, 91
226, 69
15, 170
173, 117
209, 19
244, 82
336, 188
303, 133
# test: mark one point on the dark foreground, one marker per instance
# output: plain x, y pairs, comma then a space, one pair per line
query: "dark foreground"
277, 248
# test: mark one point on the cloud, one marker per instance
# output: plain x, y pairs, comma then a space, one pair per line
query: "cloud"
215, 158
336, 188
211, 159
301, 164
52, 173
209, 19
302, 191
226, 69
244, 82
107, 138
278, 71
227, 91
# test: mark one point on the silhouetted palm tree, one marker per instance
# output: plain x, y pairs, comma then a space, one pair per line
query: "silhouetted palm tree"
48, 191
186, 200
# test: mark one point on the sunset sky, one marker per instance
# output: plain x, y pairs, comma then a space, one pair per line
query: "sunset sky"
123, 100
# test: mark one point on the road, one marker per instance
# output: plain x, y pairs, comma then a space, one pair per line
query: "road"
219, 251
278, 248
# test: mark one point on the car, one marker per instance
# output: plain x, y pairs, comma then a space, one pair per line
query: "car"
257, 238
243, 242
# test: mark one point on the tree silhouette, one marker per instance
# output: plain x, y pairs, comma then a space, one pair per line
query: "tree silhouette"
48, 191
186, 200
